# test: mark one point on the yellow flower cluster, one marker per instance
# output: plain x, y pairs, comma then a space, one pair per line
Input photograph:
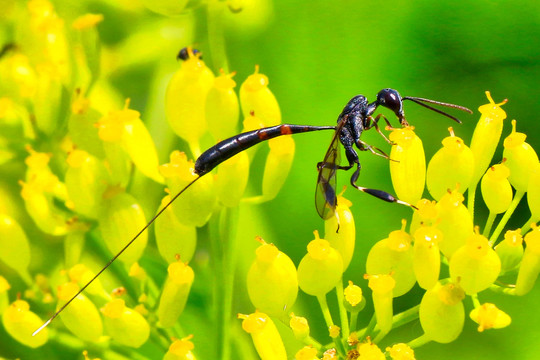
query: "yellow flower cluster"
441, 234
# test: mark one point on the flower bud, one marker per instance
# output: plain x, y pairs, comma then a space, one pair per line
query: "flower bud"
250, 123
530, 264
486, 136
124, 325
401, 351
334, 331
299, 326
222, 108
81, 317
426, 257
45, 37
520, 157
426, 214
533, 192
120, 218
368, 350
256, 97
488, 316
354, 301
18, 76
510, 250
278, 164
175, 293
14, 246
48, 99
382, 287
452, 164
408, 168
19, 322
88, 54
475, 265
496, 189
118, 163
394, 255
197, 203
331, 354
88, 173
126, 127
81, 128
81, 275
442, 314
180, 350
42, 210
265, 336
306, 353
4, 296
344, 240
231, 180
186, 97
455, 222
320, 269
172, 237
272, 281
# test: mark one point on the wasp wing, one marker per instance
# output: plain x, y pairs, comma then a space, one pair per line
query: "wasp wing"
325, 194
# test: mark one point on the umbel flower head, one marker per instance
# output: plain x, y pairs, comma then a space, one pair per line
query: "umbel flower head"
88, 164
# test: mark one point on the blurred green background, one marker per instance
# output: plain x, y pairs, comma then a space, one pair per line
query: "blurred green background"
317, 55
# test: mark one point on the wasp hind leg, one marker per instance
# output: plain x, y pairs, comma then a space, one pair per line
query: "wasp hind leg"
380, 194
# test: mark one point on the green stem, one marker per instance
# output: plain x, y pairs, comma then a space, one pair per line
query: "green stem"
515, 202
475, 301
254, 200
527, 226
380, 336
342, 311
367, 331
489, 223
325, 311
329, 322
216, 38
419, 341
354, 321
502, 290
224, 253
228, 226
405, 317
160, 337
311, 341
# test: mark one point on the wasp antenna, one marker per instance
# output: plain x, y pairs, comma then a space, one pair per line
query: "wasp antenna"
459, 107
115, 257
419, 102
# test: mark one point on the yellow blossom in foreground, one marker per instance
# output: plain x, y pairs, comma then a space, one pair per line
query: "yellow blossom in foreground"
488, 316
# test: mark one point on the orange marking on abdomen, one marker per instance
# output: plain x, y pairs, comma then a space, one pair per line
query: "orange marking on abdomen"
263, 135
285, 130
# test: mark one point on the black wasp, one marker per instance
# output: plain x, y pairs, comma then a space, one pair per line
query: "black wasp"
356, 117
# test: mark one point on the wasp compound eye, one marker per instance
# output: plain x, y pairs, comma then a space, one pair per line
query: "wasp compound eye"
390, 98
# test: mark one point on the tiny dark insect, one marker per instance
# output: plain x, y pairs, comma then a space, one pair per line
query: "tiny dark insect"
184, 53
355, 118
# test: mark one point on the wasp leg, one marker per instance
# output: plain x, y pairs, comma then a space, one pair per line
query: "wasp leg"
374, 122
383, 195
374, 150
